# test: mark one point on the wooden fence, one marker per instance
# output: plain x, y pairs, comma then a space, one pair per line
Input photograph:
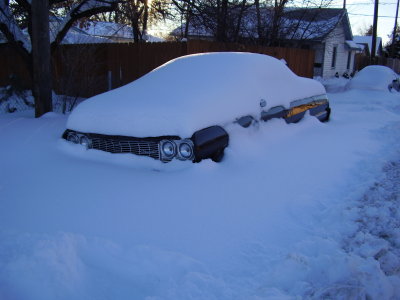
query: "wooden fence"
11, 65
361, 61
89, 69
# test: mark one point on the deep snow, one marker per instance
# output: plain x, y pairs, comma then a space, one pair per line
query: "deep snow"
307, 210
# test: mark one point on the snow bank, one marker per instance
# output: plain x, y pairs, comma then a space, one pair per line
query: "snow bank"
373, 78
295, 211
333, 85
191, 93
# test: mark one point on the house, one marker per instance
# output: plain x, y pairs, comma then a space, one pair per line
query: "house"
92, 32
327, 31
117, 33
365, 43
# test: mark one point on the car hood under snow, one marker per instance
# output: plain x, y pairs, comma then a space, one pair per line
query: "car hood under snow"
191, 93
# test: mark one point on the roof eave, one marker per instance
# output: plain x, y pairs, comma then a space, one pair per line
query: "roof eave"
347, 26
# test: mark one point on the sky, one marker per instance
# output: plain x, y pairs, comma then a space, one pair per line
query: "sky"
361, 15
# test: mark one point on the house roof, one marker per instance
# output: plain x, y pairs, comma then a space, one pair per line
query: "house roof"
78, 36
366, 41
354, 46
115, 30
296, 23
91, 33
75, 35
315, 23
109, 30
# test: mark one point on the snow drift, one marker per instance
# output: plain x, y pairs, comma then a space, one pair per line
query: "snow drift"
373, 78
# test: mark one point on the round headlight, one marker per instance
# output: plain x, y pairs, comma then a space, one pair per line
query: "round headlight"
72, 137
84, 140
168, 149
185, 150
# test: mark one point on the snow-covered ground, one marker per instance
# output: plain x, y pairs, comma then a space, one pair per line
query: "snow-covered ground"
299, 211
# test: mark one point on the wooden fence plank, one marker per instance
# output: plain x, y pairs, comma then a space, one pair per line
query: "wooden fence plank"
361, 61
85, 70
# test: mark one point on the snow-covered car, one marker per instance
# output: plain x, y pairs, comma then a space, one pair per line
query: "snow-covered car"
379, 78
181, 109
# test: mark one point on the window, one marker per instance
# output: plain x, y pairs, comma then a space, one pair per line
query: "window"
334, 54
348, 60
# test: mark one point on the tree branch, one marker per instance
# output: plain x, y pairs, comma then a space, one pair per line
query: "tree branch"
25, 4
11, 30
78, 12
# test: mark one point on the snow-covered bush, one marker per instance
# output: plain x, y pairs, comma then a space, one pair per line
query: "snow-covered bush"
14, 97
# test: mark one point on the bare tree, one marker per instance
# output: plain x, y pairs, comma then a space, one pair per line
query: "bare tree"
263, 22
278, 11
222, 19
138, 14
240, 17
368, 31
31, 16
260, 27
392, 47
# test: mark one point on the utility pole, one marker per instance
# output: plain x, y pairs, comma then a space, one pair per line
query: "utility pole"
344, 4
394, 30
374, 30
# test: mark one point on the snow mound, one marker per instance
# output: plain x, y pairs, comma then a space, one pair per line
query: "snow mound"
191, 93
373, 78
333, 85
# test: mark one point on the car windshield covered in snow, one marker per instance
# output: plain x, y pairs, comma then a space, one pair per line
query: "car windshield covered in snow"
181, 109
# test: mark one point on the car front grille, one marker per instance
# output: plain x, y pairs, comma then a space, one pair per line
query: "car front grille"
136, 146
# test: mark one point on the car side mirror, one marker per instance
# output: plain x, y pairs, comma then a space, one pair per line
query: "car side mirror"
245, 121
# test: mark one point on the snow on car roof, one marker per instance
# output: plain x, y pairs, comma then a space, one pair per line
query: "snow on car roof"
373, 78
193, 92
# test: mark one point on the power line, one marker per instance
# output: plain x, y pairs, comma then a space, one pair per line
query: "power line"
363, 3
370, 15
367, 3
